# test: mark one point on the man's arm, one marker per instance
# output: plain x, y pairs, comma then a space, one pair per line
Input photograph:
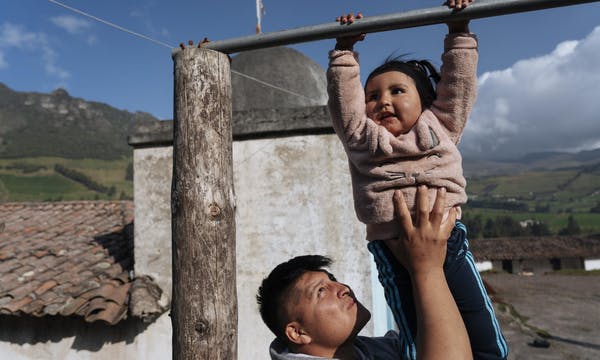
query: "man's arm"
441, 330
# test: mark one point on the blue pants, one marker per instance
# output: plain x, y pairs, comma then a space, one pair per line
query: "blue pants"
466, 286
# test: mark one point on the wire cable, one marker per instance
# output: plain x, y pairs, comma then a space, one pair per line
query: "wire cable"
314, 101
110, 24
120, 28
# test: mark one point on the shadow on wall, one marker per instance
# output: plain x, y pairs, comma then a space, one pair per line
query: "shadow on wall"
88, 336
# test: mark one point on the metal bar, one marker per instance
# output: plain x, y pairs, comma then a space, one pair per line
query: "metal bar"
401, 20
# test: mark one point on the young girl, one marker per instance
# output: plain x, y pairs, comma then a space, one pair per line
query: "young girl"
400, 132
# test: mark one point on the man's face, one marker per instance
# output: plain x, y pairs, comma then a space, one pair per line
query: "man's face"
326, 309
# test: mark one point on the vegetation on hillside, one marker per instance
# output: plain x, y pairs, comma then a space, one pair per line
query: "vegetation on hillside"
56, 124
59, 179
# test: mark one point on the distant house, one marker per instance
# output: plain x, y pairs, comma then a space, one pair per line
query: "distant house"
67, 286
537, 255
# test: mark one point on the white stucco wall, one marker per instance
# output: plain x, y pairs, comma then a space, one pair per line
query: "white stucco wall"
483, 265
293, 197
74, 339
152, 173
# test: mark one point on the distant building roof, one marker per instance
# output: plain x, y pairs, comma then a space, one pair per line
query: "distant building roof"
283, 67
70, 259
546, 247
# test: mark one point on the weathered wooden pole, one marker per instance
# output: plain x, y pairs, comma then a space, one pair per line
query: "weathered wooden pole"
204, 305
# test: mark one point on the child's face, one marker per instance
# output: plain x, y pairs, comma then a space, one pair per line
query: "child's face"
392, 101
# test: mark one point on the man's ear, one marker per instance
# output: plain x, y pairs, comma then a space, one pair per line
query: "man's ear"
296, 334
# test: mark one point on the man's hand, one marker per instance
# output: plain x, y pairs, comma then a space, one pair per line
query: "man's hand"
423, 246
347, 42
442, 333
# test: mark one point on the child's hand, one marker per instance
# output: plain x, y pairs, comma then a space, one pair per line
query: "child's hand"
461, 26
423, 246
347, 42
458, 4
191, 43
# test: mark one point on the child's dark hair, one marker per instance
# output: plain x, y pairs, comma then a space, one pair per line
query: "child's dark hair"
274, 289
423, 73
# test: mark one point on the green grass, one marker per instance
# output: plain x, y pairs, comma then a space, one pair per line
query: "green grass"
588, 222
564, 193
46, 185
43, 187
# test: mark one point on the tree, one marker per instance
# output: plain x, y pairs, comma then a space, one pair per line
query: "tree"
474, 225
129, 172
489, 230
572, 227
539, 228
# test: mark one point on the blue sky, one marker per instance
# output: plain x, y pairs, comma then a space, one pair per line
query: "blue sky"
539, 71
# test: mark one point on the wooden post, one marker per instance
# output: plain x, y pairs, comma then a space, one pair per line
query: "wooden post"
204, 306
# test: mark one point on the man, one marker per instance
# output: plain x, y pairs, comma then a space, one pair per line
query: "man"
314, 316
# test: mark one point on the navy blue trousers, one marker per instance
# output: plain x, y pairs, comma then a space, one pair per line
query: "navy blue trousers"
466, 286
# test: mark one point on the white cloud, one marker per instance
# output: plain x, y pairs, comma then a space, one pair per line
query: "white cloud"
71, 24
545, 103
17, 37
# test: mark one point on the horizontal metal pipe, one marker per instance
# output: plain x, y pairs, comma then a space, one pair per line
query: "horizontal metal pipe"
401, 20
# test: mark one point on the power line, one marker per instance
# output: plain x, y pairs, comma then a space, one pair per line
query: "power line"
120, 28
110, 24
317, 102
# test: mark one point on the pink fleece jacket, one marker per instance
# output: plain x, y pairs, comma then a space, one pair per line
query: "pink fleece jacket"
381, 163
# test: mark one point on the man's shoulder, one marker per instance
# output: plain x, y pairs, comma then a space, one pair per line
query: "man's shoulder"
388, 347
379, 347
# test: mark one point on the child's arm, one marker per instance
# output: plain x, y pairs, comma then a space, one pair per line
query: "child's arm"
346, 94
457, 89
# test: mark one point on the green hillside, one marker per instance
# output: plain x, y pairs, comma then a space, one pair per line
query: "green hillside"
548, 196
56, 124
36, 179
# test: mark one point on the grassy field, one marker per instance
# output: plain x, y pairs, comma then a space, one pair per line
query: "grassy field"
34, 179
548, 196
588, 222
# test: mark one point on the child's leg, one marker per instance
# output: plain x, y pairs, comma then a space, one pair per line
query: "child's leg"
397, 287
471, 298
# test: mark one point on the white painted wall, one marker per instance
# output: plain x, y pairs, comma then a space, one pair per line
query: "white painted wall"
483, 265
591, 264
293, 197
73, 339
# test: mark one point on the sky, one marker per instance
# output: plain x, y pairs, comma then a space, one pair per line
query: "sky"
539, 72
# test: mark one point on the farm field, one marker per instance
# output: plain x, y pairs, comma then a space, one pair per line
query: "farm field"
546, 196
35, 179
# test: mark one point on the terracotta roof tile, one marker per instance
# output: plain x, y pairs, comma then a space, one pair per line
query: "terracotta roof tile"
69, 258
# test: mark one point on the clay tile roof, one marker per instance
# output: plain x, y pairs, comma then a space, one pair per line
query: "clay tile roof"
546, 247
69, 259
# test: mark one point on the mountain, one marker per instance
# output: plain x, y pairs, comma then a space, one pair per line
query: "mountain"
56, 124
586, 161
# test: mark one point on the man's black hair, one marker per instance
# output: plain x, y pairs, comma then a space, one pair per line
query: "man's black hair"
423, 73
274, 289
